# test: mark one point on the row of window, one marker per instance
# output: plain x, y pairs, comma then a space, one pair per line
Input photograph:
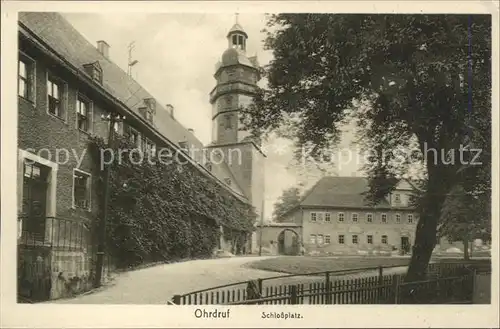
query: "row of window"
326, 216
56, 103
321, 239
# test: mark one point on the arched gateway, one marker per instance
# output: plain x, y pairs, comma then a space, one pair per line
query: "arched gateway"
281, 238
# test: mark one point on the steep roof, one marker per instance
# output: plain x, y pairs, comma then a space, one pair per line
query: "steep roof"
237, 28
339, 192
54, 30
346, 192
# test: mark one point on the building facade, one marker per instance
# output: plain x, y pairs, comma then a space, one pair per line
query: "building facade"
67, 89
334, 218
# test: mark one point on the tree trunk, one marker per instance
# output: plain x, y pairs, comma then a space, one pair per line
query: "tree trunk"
426, 233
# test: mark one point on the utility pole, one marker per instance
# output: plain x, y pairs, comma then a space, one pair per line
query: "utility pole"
101, 234
261, 227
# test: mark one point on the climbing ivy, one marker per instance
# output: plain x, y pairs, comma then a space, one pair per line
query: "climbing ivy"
163, 211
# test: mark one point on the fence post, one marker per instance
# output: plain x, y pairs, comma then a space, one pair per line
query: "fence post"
328, 288
395, 288
259, 287
473, 285
293, 295
176, 299
380, 282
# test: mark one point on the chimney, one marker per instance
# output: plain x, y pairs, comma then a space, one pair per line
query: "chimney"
170, 110
103, 48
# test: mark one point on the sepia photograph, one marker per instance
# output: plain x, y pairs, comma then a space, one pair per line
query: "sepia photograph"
246, 158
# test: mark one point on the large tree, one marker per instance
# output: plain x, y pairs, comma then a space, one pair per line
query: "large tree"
289, 199
423, 79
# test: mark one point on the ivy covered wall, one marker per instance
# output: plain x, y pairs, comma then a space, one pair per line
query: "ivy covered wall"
164, 210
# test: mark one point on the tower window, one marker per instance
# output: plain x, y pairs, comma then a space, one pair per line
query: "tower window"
228, 123
240, 42
235, 40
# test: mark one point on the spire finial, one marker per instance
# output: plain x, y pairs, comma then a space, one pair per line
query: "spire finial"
236, 17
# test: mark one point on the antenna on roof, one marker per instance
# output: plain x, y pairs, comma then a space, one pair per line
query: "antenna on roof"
131, 62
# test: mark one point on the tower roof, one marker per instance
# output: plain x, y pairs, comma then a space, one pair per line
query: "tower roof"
233, 56
237, 28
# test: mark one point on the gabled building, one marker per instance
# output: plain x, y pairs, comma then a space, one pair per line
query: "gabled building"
66, 86
334, 217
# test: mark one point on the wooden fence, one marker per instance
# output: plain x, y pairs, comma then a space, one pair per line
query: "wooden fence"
446, 283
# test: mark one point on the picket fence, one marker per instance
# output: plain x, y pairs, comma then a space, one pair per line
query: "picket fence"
445, 284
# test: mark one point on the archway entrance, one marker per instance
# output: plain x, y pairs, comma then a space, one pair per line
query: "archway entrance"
288, 243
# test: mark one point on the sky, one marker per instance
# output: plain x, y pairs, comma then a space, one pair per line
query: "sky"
176, 55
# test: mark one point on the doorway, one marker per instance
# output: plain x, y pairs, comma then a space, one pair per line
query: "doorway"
405, 245
34, 256
288, 243
34, 202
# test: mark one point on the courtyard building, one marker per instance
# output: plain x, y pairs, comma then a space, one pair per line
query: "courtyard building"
334, 217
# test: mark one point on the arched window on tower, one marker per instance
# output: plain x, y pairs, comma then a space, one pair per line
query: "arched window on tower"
241, 42
228, 123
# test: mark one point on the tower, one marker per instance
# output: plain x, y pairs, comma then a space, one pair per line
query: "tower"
236, 78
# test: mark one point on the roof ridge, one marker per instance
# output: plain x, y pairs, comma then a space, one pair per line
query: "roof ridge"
130, 81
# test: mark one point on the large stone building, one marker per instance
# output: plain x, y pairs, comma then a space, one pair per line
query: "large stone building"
334, 217
65, 86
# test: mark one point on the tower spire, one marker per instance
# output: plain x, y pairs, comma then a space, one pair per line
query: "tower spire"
236, 18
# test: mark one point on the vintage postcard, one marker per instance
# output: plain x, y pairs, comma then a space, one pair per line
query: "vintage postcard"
250, 164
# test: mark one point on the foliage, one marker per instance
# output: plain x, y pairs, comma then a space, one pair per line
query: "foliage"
421, 80
288, 200
465, 216
163, 210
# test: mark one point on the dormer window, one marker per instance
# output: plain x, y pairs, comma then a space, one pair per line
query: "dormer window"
94, 70
150, 108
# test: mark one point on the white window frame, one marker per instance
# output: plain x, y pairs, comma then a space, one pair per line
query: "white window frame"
354, 215
369, 239
343, 239
382, 218
341, 217
312, 239
369, 218
410, 218
320, 239
89, 191
386, 239
313, 217
397, 198
398, 218
328, 237
31, 76
63, 95
355, 237
148, 147
90, 114
328, 217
